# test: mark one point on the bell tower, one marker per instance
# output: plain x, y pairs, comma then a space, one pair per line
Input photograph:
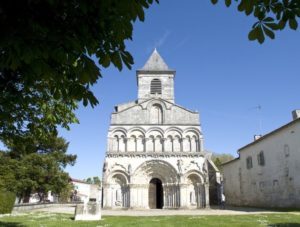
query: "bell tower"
155, 79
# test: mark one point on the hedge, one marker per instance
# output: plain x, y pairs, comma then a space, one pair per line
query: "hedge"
7, 201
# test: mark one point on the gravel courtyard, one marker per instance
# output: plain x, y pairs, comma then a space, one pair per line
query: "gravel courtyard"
70, 209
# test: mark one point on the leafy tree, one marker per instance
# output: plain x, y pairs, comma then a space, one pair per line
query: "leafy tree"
219, 159
93, 180
46, 66
271, 15
66, 193
35, 167
89, 180
8, 169
96, 180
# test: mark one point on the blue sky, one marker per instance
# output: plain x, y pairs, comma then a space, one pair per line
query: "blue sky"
219, 73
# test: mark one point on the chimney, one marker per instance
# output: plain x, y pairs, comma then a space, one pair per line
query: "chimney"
296, 114
256, 137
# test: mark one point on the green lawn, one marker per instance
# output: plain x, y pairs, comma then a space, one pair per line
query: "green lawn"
64, 220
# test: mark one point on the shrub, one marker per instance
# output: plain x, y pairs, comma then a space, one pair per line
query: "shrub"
7, 201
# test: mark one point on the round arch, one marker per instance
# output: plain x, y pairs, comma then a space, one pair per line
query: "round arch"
148, 132
155, 169
139, 129
119, 129
194, 174
156, 102
123, 176
176, 129
193, 130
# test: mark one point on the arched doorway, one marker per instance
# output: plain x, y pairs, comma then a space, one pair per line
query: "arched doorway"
156, 199
119, 191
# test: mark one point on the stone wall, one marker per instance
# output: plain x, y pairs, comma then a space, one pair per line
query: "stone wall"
273, 181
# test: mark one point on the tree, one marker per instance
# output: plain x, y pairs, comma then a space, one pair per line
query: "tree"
219, 159
271, 15
66, 193
93, 180
46, 66
35, 167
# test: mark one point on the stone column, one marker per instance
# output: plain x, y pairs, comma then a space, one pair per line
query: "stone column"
165, 196
127, 197
206, 187
145, 196
177, 196
163, 144
125, 142
144, 144
201, 144
181, 144
131, 195
172, 144
183, 196
199, 195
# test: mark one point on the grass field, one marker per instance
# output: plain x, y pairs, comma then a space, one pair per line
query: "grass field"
65, 220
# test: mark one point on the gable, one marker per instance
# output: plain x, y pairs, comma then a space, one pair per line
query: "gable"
155, 111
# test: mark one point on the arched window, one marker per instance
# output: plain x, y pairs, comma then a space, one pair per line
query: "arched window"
140, 144
168, 144
158, 144
176, 144
194, 143
156, 114
187, 144
122, 144
150, 144
131, 145
155, 86
115, 144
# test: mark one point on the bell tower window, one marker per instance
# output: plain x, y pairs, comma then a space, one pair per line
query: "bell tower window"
155, 86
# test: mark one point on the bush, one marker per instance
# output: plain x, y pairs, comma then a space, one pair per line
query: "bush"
7, 201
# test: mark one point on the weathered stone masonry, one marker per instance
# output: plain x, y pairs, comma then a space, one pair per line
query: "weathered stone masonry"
155, 156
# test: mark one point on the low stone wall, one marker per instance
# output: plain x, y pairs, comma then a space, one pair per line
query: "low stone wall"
33, 206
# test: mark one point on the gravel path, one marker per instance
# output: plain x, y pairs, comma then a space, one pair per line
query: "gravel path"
159, 212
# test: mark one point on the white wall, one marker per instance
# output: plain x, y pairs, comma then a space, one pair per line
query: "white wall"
277, 183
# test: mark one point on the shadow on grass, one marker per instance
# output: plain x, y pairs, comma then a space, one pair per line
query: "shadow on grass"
255, 209
284, 225
243, 209
10, 224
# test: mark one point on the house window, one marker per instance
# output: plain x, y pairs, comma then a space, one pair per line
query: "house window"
261, 158
155, 86
286, 150
249, 162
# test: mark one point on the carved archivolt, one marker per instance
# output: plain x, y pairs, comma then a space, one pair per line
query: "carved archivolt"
194, 177
155, 169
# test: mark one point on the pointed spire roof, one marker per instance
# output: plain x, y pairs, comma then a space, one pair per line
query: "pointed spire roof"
155, 63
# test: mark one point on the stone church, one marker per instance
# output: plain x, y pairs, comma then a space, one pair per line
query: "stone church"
155, 157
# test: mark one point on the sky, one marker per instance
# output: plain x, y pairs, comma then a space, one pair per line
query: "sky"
239, 87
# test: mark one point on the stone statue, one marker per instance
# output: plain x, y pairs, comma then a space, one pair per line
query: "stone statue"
129, 169
179, 164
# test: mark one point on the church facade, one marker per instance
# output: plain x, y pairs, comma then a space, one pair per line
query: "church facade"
155, 156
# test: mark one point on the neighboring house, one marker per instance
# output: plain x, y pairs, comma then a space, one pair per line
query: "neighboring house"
155, 155
267, 172
34, 198
84, 191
